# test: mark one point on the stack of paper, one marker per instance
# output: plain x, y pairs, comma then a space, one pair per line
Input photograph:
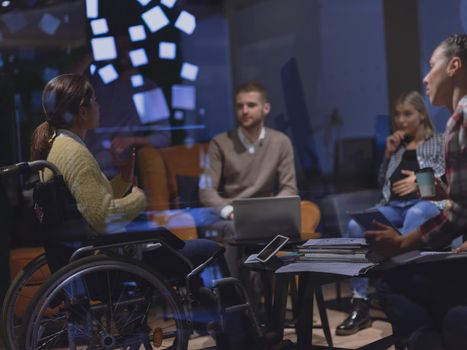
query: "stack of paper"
348, 243
334, 250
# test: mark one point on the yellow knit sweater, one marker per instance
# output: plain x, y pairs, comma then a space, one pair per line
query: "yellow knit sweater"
102, 203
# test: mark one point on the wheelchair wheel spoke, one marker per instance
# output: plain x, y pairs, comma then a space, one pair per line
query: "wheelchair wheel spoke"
103, 303
50, 340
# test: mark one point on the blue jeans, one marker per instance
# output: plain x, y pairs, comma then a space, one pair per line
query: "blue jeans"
405, 215
212, 226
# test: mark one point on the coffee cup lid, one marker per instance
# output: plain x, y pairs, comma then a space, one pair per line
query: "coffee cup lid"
424, 170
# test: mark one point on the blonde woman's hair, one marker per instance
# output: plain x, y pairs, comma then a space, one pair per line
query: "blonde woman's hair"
414, 99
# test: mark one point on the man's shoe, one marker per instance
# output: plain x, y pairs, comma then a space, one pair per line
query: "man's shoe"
358, 319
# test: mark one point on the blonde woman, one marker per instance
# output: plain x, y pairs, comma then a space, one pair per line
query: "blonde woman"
413, 145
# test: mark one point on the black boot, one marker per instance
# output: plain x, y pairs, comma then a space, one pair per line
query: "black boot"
358, 319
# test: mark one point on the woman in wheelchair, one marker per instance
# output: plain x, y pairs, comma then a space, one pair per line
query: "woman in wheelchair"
71, 110
107, 301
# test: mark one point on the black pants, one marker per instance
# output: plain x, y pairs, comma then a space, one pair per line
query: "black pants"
422, 295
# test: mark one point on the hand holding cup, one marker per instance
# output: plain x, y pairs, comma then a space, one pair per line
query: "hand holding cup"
426, 182
126, 166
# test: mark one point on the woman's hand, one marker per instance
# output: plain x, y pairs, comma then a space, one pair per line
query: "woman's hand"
122, 143
461, 248
136, 189
386, 241
405, 186
441, 190
126, 166
393, 142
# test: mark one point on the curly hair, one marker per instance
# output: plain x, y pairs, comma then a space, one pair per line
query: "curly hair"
455, 46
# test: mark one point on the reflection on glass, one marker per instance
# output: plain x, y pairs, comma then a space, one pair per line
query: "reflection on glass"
167, 50
15, 21
92, 8
108, 73
137, 33
155, 19
138, 57
186, 22
137, 80
151, 106
99, 26
189, 71
49, 73
104, 49
168, 3
184, 97
144, 2
49, 24
179, 115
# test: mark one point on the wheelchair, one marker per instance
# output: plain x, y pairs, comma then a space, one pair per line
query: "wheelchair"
102, 295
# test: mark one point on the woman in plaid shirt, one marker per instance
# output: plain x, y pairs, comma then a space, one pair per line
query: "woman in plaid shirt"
427, 303
413, 145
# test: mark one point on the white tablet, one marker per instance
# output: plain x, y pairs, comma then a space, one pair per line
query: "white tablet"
272, 248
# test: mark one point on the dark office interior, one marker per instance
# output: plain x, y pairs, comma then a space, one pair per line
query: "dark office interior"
332, 69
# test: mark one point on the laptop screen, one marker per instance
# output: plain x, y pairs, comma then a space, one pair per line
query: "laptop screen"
267, 217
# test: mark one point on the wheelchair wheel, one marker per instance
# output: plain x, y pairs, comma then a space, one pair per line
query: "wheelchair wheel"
18, 297
103, 303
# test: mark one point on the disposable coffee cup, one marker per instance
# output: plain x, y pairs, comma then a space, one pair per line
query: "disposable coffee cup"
426, 182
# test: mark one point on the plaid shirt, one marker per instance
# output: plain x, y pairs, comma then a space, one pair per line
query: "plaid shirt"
452, 222
430, 154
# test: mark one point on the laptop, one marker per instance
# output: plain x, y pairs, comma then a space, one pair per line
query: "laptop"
263, 218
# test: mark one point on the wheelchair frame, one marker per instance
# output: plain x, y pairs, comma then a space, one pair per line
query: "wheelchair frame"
181, 298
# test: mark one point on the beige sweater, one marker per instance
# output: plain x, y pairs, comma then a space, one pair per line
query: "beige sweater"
103, 204
234, 173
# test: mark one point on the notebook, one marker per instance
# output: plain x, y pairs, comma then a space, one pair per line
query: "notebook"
263, 218
365, 219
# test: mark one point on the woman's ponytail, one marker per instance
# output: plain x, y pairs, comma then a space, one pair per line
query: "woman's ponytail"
41, 141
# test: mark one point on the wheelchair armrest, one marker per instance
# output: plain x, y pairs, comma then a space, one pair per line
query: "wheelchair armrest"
128, 238
157, 238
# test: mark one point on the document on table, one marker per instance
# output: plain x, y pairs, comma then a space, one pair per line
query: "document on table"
338, 268
361, 268
419, 257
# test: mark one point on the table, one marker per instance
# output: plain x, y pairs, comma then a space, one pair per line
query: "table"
309, 285
276, 303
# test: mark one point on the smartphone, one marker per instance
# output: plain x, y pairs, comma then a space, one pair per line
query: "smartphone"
272, 248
